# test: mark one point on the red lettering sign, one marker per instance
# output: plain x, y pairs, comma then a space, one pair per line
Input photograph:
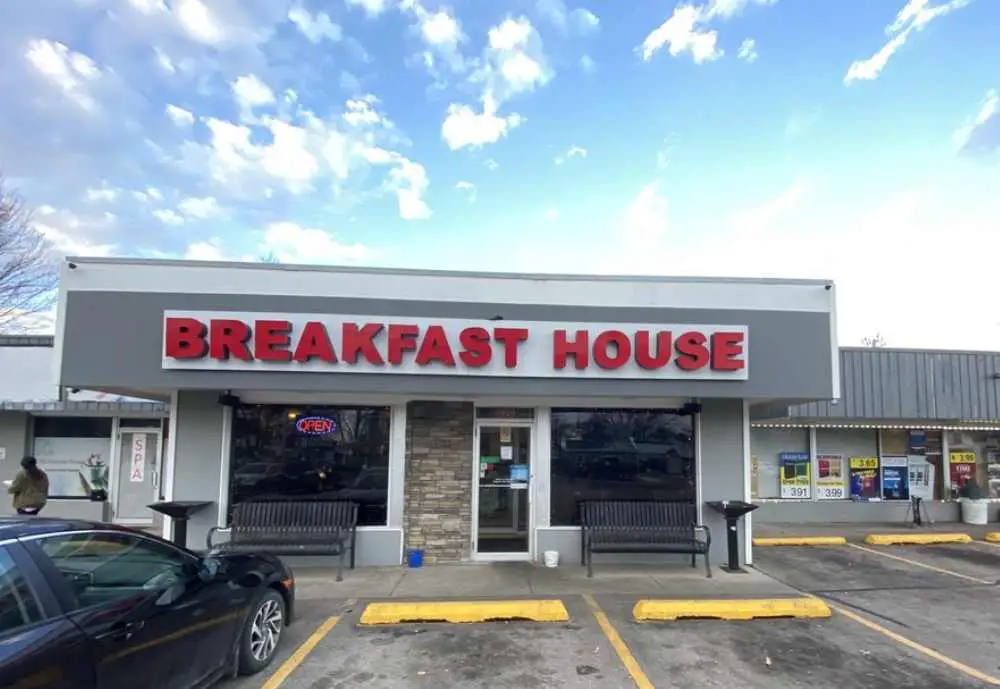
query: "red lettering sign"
437, 347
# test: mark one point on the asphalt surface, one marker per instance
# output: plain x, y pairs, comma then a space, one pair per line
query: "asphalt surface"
934, 607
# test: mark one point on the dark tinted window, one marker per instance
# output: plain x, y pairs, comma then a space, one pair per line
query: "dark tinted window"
104, 567
619, 454
18, 606
72, 427
312, 453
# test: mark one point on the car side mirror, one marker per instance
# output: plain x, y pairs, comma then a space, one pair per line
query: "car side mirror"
208, 568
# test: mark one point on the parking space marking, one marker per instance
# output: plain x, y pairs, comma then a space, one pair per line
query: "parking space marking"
915, 563
632, 666
300, 654
919, 648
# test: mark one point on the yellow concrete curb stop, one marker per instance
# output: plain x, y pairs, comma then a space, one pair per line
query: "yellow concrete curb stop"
993, 537
735, 609
916, 538
801, 540
465, 611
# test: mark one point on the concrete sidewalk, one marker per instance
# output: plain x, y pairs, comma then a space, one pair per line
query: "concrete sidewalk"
519, 580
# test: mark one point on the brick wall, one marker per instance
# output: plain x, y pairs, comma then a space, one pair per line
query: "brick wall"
438, 508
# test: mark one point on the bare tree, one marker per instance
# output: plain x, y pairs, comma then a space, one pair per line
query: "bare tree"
875, 340
28, 276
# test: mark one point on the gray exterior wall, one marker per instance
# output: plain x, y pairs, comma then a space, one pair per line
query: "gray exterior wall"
910, 384
198, 459
789, 352
850, 512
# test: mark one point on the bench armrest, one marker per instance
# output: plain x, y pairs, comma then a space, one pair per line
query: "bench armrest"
211, 532
708, 533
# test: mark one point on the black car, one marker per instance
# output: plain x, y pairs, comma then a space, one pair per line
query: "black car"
85, 605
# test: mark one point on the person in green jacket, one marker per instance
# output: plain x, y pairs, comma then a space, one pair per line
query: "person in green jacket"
30, 487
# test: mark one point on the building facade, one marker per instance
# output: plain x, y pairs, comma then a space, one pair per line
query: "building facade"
82, 439
466, 413
907, 423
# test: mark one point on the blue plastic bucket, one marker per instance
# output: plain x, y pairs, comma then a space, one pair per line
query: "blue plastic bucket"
415, 558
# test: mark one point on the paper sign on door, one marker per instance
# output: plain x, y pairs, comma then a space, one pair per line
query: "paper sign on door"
137, 470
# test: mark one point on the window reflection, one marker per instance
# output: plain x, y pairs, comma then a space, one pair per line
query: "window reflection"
619, 454
282, 452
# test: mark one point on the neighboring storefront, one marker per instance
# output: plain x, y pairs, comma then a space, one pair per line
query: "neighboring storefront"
88, 443
909, 423
466, 413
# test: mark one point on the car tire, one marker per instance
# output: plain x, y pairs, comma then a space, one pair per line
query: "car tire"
262, 633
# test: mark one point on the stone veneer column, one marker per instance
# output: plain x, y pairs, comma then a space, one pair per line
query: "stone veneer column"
438, 507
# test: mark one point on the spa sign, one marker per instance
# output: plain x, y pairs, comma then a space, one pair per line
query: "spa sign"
235, 341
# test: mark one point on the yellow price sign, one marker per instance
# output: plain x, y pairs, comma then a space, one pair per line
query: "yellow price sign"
963, 457
863, 462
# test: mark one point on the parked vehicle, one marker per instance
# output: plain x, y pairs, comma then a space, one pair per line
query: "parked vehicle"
87, 605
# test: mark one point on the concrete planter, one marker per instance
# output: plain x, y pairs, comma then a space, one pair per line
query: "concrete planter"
974, 511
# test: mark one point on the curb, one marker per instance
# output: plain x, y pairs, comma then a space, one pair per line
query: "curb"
803, 540
917, 538
734, 609
992, 537
462, 612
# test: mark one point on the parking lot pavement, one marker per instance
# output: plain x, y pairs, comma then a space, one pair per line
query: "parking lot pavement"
860, 647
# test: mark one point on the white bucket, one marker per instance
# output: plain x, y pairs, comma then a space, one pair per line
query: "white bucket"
974, 511
551, 558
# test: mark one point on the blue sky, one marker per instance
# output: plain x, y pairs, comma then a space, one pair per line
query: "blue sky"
857, 140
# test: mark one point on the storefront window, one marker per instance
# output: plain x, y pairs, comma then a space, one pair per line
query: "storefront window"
974, 463
312, 453
779, 463
74, 451
855, 452
924, 476
619, 454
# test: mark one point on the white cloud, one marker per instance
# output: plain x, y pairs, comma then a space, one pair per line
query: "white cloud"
914, 16
765, 215
464, 127
72, 72
551, 214
645, 219
204, 207
149, 6
587, 64
154, 193
491, 164
408, 180
168, 217
67, 244
573, 152
372, 8
467, 187
362, 111
748, 50
440, 29
289, 156
981, 134
315, 27
102, 194
166, 64
580, 20
198, 21
291, 243
179, 115
680, 34
210, 250
250, 92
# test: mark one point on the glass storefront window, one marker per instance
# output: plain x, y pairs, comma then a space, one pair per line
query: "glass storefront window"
974, 463
619, 454
856, 449
284, 452
73, 451
779, 463
924, 463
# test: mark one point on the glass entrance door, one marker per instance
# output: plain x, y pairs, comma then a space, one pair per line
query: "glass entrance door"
136, 484
503, 518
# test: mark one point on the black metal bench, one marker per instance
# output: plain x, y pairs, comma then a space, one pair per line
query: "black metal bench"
293, 527
642, 526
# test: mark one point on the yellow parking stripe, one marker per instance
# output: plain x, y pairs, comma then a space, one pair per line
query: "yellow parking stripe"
916, 538
908, 561
919, 648
460, 611
801, 540
300, 654
729, 609
628, 660
993, 537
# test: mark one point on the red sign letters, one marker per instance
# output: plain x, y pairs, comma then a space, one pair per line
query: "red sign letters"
393, 344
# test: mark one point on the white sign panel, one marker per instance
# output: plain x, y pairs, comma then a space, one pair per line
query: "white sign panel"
280, 342
137, 465
921, 477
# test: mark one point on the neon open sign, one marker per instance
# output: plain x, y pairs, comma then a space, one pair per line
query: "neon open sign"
316, 425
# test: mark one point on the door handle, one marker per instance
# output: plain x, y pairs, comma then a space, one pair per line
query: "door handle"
123, 631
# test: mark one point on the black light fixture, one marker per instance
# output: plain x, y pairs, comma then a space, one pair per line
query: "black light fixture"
996, 376
228, 399
498, 317
691, 408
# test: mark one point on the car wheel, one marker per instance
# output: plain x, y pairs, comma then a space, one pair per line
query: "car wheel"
262, 633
